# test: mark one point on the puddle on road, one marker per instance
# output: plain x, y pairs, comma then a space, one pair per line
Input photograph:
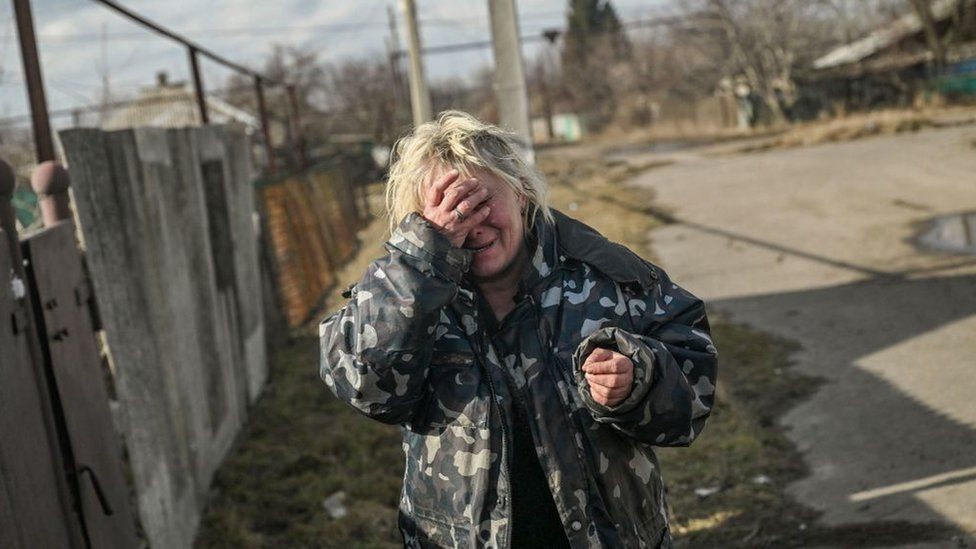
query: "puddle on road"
954, 233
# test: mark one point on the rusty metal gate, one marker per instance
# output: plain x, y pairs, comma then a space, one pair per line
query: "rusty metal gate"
61, 472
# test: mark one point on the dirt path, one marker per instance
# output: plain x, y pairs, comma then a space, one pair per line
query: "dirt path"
814, 244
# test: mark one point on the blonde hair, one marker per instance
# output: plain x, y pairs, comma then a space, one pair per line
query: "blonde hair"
460, 141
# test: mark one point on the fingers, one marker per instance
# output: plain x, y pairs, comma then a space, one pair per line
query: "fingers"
470, 221
455, 206
610, 376
473, 220
610, 381
616, 363
458, 192
599, 355
471, 202
608, 397
435, 191
450, 225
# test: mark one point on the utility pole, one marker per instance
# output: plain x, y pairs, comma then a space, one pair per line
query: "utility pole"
419, 95
513, 101
393, 47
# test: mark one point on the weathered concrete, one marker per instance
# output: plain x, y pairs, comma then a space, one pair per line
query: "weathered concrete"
166, 216
814, 244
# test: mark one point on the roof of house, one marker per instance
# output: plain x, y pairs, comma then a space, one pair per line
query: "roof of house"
883, 38
173, 105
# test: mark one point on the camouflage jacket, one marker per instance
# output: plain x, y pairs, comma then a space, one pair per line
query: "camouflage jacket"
410, 348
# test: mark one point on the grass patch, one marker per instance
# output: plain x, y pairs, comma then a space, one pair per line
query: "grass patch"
741, 454
301, 445
867, 124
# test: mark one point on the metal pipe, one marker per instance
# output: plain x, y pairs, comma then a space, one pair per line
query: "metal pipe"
265, 128
43, 141
485, 44
198, 86
180, 38
298, 133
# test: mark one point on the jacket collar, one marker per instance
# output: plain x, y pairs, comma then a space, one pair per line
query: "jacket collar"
567, 238
576, 240
543, 255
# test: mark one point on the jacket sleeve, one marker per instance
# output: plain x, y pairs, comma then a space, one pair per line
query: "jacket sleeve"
375, 351
675, 368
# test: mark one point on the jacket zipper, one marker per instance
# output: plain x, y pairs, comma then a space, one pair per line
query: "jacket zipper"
506, 458
556, 361
505, 445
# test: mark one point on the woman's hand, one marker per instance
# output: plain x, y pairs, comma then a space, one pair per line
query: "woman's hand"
455, 206
610, 375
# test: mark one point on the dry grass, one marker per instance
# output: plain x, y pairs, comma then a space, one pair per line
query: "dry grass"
857, 126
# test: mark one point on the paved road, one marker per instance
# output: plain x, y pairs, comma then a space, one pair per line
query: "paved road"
814, 244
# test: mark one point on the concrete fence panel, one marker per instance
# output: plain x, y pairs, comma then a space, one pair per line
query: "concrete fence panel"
167, 222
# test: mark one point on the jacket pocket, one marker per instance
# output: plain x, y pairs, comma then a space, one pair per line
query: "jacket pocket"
456, 395
448, 475
421, 531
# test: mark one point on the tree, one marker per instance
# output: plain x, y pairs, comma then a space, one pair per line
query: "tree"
942, 30
362, 90
923, 9
594, 42
764, 43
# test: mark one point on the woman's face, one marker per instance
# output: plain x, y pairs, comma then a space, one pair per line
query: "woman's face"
499, 240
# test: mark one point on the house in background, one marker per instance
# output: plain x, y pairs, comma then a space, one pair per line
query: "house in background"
172, 105
894, 65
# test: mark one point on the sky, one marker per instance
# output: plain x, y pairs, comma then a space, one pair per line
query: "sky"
84, 44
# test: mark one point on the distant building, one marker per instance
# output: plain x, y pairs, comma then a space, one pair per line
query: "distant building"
171, 105
892, 64
566, 128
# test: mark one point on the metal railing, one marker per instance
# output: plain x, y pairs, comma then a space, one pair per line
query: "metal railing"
40, 118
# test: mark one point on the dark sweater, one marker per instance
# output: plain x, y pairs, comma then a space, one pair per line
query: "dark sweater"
535, 519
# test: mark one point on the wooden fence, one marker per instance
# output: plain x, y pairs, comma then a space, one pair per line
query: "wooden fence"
166, 217
311, 222
62, 481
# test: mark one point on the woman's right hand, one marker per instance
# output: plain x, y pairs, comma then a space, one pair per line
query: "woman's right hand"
455, 206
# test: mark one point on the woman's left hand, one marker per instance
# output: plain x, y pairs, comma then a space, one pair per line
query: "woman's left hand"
610, 375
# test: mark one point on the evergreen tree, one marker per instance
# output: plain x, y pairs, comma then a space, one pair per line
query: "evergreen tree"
594, 42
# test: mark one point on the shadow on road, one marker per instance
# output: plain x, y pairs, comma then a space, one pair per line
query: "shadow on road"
878, 452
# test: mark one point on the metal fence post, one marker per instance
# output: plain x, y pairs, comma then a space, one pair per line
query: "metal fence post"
298, 133
198, 86
43, 142
50, 182
265, 128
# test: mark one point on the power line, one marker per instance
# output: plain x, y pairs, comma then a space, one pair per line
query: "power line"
241, 31
194, 47
481, 44
214, 32
249, 31
110, 105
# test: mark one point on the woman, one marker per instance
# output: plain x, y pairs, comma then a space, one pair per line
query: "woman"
531, 363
